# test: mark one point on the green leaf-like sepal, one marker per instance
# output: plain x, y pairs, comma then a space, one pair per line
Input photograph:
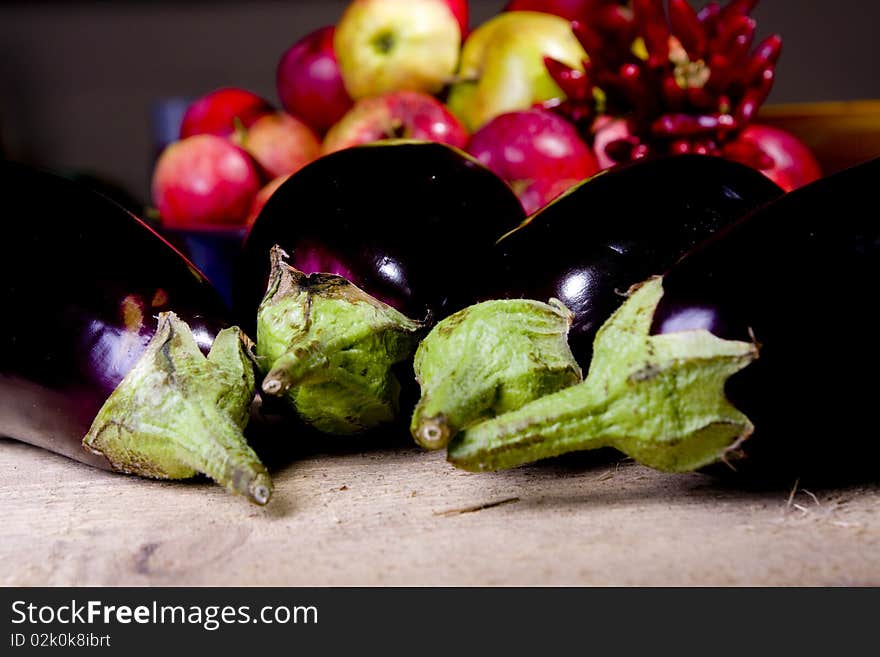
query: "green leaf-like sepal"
657, 398
178, 413
488, 359
328, 347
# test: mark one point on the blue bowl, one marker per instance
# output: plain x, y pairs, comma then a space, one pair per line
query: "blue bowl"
214, 251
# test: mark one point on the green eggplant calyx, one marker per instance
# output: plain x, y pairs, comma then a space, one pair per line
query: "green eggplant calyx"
329, 347
178, 413
489, 359
657, 398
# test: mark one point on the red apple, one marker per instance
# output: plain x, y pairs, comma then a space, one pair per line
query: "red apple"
777, 154
280, 143
216, 112
262, 197
402, 114
309, 82
204, 181
536, 194
461, 12
568, 9
537, 152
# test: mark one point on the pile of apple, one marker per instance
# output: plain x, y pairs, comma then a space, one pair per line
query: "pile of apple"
520, 93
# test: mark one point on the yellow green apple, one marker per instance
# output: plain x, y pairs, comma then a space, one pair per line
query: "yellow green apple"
392, 45
502, 65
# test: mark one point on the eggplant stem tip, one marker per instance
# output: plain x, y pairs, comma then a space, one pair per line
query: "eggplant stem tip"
260, 493
272, 386
433, 433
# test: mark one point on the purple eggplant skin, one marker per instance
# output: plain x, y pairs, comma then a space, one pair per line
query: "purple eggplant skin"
83, 281
799, 276
410, 223
616, 229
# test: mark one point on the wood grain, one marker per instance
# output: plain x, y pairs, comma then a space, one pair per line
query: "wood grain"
345, 514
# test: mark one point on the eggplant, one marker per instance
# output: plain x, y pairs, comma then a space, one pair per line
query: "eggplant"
112, 189
799, 277
756, 350
487, 359
585, 249
115, 350
407, 222
618, 228
383, 240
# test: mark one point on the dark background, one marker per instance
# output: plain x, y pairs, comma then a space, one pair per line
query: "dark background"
78, 80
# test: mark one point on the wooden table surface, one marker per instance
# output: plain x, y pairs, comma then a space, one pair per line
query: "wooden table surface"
349, 513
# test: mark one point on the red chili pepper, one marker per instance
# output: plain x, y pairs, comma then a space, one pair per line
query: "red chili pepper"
737, 8
617, 94
755, 96
630, 74
720, 73
673, 94
708, 16
687, 28
640, 151
729, 32
688, 125
740, 40
647, 92
680, 147
572, 81
766, 55
589, 39
621, 150
651, 19
614, 18
702, 99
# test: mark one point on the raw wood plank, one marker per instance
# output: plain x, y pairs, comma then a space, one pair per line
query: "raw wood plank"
399, 516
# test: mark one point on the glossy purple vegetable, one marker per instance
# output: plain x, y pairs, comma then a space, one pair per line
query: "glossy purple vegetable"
800, 276
93, 297
382, 240
410, 223
585, 249
619, 227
